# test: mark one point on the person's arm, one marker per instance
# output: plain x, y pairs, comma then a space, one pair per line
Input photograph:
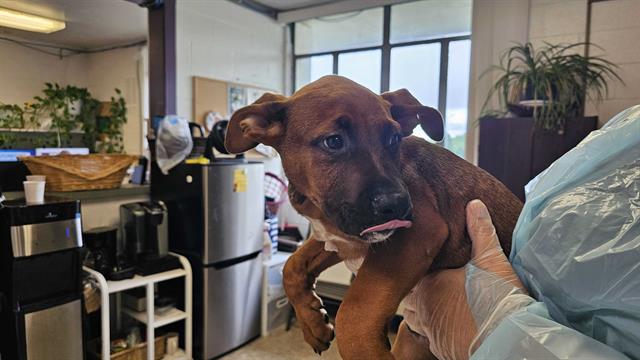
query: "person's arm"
510, 322
483, 311
530, 333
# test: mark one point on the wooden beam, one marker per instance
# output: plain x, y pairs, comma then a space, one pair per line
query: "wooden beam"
162, 59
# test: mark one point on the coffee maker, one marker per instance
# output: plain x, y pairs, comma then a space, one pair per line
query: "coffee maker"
101, 245
40, 280
143, 226
103, 254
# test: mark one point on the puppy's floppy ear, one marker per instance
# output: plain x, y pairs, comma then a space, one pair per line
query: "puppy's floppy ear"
260, 122
407, 110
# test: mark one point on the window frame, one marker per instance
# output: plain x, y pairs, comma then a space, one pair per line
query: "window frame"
386, 47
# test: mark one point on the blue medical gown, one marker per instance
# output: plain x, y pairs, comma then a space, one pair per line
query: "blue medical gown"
576, 248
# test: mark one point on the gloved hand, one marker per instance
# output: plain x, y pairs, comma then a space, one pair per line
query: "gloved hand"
483, 311
465, 305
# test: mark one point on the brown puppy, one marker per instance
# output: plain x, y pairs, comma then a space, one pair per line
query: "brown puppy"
390, 205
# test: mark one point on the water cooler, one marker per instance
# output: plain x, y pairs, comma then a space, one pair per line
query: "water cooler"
40, 280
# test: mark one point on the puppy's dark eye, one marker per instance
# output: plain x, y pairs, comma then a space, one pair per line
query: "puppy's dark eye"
334, 142
394, 140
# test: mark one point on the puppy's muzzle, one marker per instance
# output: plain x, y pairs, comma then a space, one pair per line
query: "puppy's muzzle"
391, 211
390, 206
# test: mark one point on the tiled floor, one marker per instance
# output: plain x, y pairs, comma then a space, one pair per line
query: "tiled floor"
281, 345
284, 345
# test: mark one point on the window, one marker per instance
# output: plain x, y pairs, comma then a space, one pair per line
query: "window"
312, 68
417, 68
457, 96
362, 67
339, 32
423, 46
430, 19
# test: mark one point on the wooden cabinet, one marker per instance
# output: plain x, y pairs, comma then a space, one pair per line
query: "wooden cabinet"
513, 152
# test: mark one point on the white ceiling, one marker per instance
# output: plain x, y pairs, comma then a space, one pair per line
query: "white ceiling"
283, 5
91, 24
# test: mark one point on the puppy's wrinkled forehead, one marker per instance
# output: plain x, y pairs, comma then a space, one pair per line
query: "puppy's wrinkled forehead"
276, 120
324, 104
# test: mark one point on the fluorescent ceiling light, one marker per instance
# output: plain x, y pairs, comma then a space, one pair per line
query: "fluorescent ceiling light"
23, 21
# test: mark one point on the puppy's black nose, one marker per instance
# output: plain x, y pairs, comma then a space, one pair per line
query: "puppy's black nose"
390, 206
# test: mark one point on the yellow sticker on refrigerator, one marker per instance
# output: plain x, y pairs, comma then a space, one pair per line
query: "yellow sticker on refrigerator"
240, 180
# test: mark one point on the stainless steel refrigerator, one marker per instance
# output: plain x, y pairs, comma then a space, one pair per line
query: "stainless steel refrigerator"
216, 213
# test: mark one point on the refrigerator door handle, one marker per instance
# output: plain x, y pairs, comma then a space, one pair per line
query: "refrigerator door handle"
228, 263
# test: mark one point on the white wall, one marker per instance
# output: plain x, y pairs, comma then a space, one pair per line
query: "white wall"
614, 27
495, 26
225, 41
105, 212
120, 69
557, 21
24, 71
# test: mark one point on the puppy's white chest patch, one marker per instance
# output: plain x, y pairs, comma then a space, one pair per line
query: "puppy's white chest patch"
330, 240
332, 243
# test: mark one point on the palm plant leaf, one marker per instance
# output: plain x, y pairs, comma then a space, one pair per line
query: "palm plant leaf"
554, 73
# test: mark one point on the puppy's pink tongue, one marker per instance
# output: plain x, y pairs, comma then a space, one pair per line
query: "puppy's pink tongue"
393, 224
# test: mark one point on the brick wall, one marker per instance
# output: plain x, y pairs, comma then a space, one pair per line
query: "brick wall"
614, 27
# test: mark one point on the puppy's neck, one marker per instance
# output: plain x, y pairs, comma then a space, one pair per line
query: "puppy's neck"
323, 229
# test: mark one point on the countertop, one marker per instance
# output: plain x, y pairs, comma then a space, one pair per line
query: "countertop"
126, 190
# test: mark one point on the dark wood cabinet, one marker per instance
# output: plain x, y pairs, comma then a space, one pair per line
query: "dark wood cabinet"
514, 152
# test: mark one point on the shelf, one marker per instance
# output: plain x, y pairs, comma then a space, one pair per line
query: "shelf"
137, 281
171, 316
178, 355
38, 131
166, 318
126, 190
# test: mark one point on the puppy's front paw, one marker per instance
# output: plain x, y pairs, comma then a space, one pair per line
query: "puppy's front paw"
315, 324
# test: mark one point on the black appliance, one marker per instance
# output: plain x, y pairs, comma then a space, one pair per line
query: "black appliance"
199, 142
13, 174
40, 280
101, 244
103, 254
144, 229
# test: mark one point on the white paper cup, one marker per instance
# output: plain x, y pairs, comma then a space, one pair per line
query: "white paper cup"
34, 191
36, 178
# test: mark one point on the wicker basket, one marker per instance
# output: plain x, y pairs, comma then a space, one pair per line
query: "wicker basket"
138, 352
80, 172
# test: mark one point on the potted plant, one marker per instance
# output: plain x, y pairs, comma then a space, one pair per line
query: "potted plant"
65, 116
61, 116
111, 118
550, 84
68, 109
546, 89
